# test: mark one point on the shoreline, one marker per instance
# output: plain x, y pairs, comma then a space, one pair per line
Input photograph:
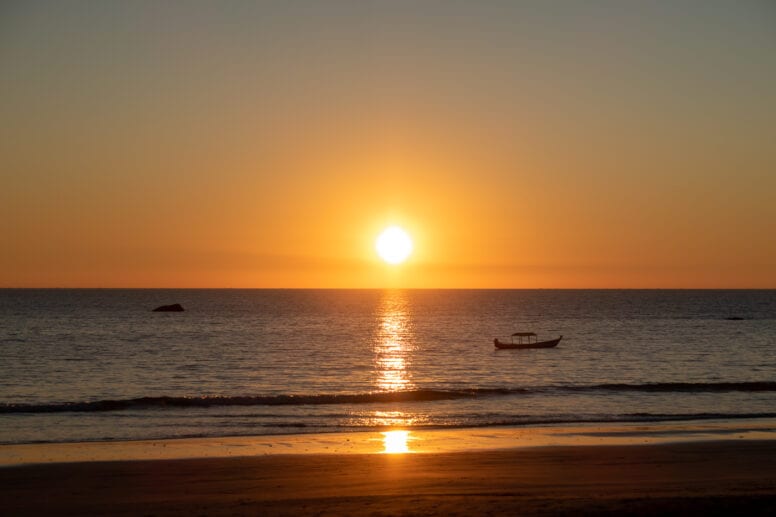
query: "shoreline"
681, 468
408, 441
703, 477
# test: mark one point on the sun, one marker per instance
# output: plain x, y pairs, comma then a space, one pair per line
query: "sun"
394, 245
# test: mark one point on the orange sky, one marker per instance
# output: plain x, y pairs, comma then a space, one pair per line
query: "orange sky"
522, 145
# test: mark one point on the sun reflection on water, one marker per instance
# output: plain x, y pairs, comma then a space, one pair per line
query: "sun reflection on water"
393, 348
393, 344
392, 418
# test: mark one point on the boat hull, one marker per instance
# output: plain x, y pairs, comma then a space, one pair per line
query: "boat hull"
513, 346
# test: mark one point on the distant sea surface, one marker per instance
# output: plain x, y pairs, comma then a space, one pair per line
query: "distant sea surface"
100, 365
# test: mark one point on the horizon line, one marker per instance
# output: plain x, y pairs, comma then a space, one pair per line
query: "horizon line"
401, 288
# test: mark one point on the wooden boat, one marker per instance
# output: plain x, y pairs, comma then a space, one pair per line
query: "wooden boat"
528, 343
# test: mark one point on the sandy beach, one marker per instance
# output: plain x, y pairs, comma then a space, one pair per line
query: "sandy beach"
713, 477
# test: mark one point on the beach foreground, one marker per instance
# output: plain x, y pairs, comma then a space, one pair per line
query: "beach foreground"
720, 477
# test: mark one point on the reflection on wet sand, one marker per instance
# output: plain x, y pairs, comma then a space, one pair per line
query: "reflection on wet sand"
395, 442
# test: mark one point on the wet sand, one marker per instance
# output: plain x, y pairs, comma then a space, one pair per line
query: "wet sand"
714, 477
414, 441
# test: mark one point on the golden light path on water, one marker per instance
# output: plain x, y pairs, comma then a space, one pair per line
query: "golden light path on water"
393, 350
393, 345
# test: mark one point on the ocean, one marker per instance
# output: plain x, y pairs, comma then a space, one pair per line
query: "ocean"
98, 364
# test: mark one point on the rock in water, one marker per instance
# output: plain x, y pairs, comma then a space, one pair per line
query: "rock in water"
175, 307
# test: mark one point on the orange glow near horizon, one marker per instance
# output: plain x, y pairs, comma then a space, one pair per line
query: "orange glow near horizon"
268, 146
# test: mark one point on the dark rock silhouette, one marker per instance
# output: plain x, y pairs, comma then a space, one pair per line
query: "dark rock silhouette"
735, 318
175, 307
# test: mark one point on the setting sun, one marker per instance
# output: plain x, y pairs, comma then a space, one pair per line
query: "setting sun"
394, 245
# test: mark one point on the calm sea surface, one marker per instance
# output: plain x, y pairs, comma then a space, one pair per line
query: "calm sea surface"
99, 365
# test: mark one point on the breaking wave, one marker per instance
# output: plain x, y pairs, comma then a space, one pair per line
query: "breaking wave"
424, 395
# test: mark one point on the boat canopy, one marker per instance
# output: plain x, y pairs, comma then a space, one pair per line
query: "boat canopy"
523, 334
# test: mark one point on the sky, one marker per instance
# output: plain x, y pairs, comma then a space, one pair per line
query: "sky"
598, 144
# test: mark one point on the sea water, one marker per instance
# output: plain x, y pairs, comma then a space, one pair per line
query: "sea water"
98, 364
